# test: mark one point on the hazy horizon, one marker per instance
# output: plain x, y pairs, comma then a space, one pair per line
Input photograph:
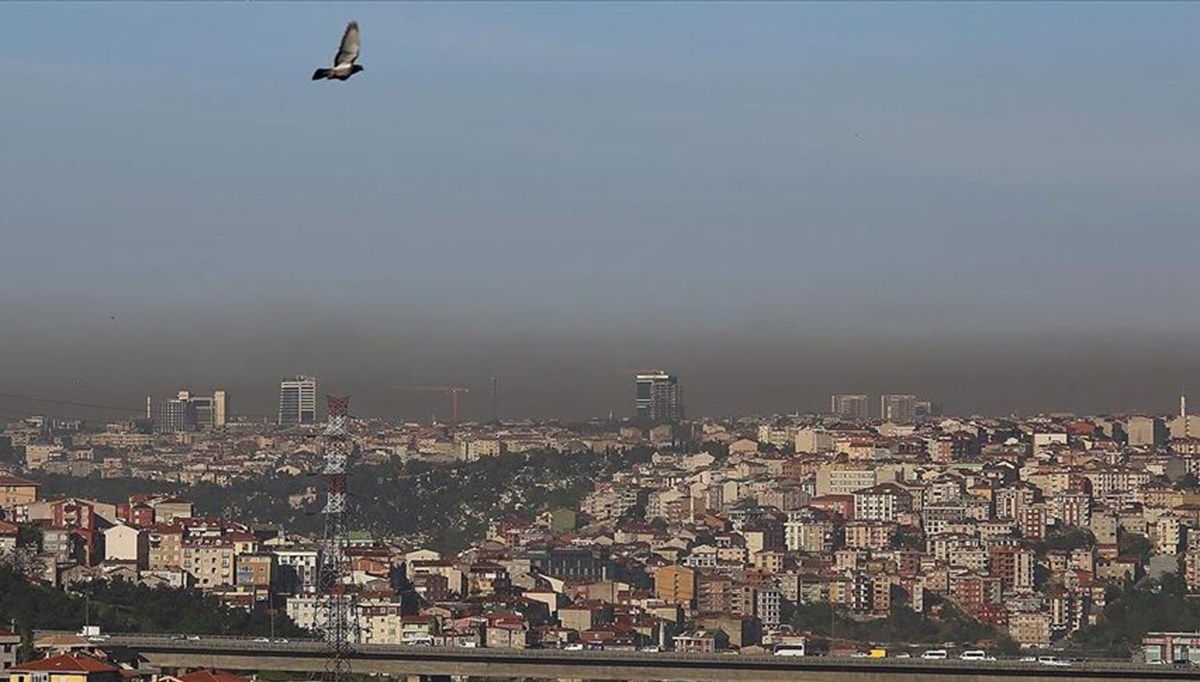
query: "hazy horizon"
559, 373
989, 205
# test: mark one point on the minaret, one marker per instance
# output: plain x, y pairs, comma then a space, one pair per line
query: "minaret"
1183, 414
496, 399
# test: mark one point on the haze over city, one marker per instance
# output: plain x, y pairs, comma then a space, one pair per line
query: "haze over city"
992, 206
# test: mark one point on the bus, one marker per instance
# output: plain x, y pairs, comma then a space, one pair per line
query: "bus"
789, 649
418, 640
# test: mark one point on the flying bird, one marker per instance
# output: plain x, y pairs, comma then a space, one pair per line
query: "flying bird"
343, 63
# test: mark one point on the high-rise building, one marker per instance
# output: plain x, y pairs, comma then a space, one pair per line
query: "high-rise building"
188, 412
850, 406
898, 408
297, 401
220, 408
1146, 431
658, 397
202, 410
928, 408
175, 415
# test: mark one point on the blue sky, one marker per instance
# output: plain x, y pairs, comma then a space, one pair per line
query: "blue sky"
925, 171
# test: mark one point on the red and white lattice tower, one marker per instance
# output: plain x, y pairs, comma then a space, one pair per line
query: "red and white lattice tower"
337, 608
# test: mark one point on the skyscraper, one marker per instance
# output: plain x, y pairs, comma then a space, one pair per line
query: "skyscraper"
175, 415
898, 408
201, 409
850, 406
928, 408
188, 412
220, 408
297, 401
657, 397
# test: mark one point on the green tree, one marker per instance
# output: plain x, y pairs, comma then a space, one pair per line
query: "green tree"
1069, 538
902, 625
910, 538
29, 536
26, 652
1154, 605
120, 606
1134, 545
444, 507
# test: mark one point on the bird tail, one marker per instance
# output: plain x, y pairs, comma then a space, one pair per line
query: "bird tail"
320, 73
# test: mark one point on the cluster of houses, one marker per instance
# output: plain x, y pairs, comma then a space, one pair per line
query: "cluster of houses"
1024, 525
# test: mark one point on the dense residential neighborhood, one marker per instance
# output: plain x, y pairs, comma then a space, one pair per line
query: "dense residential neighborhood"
710, 535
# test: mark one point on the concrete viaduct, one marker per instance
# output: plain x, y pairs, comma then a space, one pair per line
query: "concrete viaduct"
413, 662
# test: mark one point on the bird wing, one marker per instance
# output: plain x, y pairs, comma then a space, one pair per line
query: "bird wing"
348, 52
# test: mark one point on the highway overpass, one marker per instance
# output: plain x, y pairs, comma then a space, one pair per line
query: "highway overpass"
304, 657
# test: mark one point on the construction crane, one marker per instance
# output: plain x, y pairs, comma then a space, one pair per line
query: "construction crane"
452, 391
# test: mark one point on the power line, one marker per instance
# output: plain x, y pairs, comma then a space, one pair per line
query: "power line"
11, 416
92, 406
14, 414
69, 403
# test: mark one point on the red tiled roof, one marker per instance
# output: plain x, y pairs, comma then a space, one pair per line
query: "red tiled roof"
166, 528
210, 675
68, 663
9, 479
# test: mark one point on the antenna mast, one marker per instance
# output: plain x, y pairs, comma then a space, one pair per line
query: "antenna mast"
337, 606
495, 399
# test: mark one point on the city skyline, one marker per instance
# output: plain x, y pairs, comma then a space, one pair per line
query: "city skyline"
657, 400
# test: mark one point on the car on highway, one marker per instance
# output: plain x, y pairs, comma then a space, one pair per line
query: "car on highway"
193, 638
573, 647
903, 654
860, 654
935, 655
262, 640
650, 649
976, 655
281, 640
1052, 660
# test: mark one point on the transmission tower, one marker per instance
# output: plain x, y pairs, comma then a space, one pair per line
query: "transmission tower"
337, 607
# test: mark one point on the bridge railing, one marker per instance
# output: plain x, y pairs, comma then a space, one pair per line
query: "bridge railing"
285, 646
